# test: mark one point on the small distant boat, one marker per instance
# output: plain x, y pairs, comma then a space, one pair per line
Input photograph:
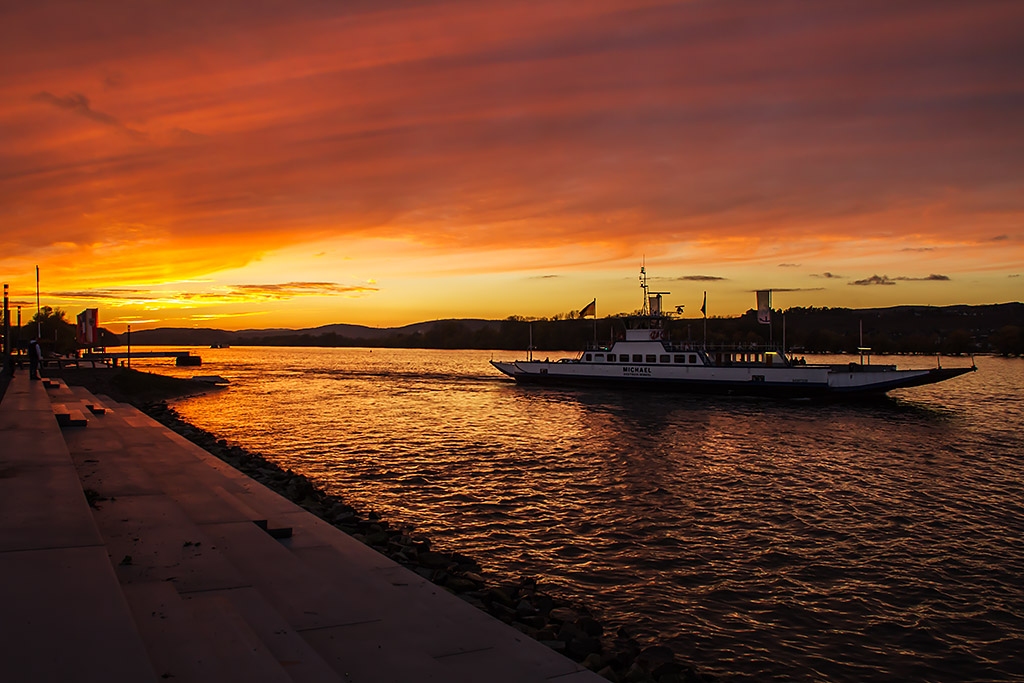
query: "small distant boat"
220, 346
211, 379
188, 359
647, 357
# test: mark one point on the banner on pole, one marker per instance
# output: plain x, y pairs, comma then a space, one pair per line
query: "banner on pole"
764, 306
88, 327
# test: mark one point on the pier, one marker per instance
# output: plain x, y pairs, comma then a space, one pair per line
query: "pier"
128, 553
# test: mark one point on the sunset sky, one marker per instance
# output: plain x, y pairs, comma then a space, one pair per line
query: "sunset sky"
303, 162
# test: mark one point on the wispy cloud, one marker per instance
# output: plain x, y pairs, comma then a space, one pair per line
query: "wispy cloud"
216, 316
934, 277
130, 320
79, 104
795, 289
289, 290
828, 276
700, 278
874, 280
789, 265
111, 294
886, 280
229, 294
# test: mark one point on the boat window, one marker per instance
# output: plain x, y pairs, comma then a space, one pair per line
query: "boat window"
664, 359
624, 358
651, 358
611, 357
598, 356
638, 358
757, 378
693, 358
680, 359
588, 357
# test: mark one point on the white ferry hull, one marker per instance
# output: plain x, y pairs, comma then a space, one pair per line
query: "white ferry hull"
796, 381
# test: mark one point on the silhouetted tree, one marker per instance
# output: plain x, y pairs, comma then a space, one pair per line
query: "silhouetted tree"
1008, 341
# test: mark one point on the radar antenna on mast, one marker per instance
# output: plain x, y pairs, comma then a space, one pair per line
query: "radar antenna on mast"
652, 300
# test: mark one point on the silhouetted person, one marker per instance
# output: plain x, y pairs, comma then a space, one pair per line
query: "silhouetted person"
35, 355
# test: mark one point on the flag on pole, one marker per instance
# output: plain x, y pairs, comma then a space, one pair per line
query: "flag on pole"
704, 306
764, 306
589, 309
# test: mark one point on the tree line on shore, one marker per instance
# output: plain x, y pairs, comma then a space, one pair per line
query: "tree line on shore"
997, 328
905, 329
802, 334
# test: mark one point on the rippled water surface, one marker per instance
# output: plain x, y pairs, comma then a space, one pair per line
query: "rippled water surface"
792, 540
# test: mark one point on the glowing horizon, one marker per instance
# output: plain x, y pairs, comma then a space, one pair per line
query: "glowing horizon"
300, 164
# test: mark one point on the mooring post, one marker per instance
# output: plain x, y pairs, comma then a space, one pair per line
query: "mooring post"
7, 334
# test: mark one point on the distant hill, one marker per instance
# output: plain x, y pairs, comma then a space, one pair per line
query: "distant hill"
190, 336
899, 329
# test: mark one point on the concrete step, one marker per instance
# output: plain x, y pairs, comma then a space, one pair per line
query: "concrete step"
93, 404
149, 538
292, 653
69, 415
66, 619
286, 582
37, 473
204, 637
239, 653
416, 615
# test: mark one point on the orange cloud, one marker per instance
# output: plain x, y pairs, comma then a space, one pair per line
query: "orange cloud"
148, 143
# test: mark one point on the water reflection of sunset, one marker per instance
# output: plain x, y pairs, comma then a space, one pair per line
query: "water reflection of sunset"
303, 163
715, 523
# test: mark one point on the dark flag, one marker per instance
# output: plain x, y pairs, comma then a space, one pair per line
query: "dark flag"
589, 309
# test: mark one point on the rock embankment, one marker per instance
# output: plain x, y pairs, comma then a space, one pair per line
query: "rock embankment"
569, 628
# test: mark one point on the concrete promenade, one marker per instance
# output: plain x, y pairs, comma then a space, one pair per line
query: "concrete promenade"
183, 570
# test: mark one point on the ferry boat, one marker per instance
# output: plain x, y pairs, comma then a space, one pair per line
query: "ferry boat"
646, 357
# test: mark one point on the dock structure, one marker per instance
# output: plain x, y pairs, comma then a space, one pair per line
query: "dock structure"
127, 553
112, 358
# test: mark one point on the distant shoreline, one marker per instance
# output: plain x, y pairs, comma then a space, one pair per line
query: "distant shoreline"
901, 330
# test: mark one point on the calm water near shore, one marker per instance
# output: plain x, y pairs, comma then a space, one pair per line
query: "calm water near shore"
793, 540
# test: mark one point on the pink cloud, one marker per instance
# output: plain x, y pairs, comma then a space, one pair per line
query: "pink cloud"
214, 133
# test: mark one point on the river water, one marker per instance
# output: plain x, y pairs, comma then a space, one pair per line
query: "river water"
764, 540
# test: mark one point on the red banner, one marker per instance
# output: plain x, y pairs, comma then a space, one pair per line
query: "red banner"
88, 327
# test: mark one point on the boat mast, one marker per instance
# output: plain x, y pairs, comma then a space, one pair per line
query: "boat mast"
645, 309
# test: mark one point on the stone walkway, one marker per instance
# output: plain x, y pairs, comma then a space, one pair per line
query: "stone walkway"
184, 569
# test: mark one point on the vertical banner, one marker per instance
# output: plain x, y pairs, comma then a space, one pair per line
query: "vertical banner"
655, 303
764, 306
88, 327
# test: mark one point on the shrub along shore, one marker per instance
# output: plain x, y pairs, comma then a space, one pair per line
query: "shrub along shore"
565, 626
